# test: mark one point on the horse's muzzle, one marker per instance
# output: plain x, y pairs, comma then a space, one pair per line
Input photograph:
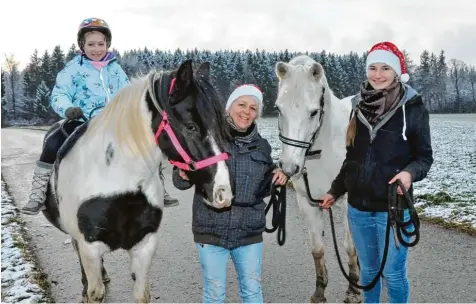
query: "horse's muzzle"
222, 197
289, 169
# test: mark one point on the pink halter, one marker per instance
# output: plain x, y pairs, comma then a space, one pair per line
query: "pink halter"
189, 164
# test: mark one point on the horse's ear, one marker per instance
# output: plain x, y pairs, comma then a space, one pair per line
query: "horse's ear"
204, 70
316, 71
281, 69
184, 76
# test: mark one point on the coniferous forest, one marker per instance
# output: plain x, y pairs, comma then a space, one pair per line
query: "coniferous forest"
446, 85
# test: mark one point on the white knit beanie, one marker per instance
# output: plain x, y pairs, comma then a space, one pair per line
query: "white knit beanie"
246, 90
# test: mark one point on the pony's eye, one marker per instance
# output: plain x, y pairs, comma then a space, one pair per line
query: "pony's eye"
314, 113
191, 127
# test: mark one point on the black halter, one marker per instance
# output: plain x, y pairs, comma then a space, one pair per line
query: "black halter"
304, 144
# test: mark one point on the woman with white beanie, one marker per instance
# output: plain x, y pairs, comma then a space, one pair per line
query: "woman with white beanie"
236, 231
388, 138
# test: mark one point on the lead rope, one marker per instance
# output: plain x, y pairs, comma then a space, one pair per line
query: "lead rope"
395, 220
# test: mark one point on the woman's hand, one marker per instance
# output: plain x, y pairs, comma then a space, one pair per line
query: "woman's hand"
406, 179
279, 177
183, 175
327, 201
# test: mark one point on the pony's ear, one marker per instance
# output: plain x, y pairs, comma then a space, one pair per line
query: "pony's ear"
316, 71
184, 78
204, 70
281, 69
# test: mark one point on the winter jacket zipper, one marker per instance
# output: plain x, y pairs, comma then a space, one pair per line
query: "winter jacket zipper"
104, 86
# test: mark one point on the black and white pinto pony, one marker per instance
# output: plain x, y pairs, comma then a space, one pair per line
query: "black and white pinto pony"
105, 190
312, 125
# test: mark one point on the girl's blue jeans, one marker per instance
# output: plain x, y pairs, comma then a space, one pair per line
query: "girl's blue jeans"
368, 233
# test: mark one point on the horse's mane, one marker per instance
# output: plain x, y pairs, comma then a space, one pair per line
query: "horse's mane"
124, 116
211, 110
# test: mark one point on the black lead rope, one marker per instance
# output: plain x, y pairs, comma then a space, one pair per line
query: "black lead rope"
278, 202
395, 220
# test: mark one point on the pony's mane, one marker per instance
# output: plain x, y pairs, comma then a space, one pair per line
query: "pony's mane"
124, 117
211, 110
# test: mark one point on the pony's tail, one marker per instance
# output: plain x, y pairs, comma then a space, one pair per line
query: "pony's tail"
351, 131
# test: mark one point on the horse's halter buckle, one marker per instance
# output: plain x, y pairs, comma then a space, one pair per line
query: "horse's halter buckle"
188, 164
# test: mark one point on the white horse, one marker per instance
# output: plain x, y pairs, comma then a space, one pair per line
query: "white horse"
106, 191
312, 125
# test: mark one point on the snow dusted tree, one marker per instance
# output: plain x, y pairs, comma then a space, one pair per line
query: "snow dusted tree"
2, 83
472, 83
352, 74
57, 61
129, 63
441, 81
219, 76
3, 100
12, 85
424, 79
72, 52
238, 70
177, 58
117, 55
28, 85
248, 73
411, 68
456, 68
42, 101
31, 80
46, 73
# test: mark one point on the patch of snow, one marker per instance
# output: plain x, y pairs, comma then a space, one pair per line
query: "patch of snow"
454, 169
18, 271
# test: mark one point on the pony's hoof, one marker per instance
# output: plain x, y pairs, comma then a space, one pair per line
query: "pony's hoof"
315, 299
145, 297
353, 297
97, 295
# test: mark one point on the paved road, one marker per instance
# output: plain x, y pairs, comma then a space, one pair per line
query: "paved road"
441, 268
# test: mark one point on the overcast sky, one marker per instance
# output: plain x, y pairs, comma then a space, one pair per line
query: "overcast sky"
337, 26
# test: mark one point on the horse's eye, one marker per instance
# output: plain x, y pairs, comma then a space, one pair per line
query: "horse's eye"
314, 113
191, 127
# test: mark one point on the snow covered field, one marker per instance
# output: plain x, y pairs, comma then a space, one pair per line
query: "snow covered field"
20, 278
449, 191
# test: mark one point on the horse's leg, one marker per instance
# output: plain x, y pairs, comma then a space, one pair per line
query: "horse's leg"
141, 259
313, 217
90, 254
352, 295
84, 280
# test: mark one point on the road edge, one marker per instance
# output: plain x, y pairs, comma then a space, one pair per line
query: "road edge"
37, 278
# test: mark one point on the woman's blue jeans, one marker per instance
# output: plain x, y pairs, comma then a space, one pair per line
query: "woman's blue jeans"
368, 233
248, 262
